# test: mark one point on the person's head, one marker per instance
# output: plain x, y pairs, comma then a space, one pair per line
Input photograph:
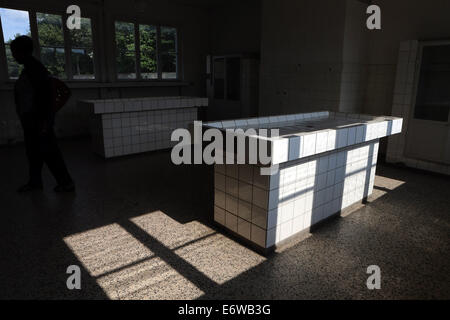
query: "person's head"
22, 48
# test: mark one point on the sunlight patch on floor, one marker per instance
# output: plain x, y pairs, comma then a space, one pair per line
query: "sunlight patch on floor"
382, 185
125, 268
220, 258
213, 254
170, 232
150, 280
106, 249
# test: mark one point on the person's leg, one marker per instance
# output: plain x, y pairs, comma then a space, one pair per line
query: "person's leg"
34, 156
54, 160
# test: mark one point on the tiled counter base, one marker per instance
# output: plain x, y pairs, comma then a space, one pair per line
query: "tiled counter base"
326, 163
269, 209
128, 126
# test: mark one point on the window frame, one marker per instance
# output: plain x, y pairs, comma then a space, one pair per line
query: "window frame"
32, 17
4, 73
136, 23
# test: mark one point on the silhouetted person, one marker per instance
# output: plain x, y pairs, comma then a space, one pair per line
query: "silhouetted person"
34, 102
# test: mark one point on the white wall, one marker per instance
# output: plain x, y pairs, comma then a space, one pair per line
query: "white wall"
236, 27
354, 58
301, 55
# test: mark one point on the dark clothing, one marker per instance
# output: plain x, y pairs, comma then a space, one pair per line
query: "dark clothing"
43, 148
37, 120
36, 76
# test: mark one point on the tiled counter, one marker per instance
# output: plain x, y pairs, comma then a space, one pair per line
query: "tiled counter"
326, 163
126, 126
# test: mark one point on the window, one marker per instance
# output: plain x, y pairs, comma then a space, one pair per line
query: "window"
433, 92
126, 51
169, 53
79, 63
82, 52
51, 42
148, 58
14, 23
67, 54
146, 51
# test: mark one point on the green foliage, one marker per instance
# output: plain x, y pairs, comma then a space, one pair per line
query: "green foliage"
147, 38
50, 30
125, 55
51, 40
168, 52
125, 46
82, 38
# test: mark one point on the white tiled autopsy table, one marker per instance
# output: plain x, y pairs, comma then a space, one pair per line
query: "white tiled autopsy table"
326, 163
126, 126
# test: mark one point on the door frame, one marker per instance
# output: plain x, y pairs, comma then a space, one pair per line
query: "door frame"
411, 118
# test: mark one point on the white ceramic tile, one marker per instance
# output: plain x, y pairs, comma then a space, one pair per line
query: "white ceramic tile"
342, 137
231, 221
309, 145
232, 186
231, 204
260, 197
271, 237
297, 224
245, 191
245, 210
244, 228
321, 142
279, 149
258, 236
294, 147
219, 215
259, 217
285, 230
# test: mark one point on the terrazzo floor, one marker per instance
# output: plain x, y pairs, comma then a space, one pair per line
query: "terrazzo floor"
140, 228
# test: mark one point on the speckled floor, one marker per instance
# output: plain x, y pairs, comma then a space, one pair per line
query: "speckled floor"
140, 228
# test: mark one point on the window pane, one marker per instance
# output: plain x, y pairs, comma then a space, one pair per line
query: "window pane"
81, 38
169, 52
51, 40
147, 38
82, 64
54, 59
125, 50
233, 79
219, 78
82, 54
433, 92
14, 23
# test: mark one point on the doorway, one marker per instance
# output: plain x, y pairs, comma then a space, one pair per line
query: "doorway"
428, 136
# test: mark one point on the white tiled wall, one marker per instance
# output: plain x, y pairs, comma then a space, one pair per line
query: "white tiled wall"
269, 209
117, 134
143, 104
126, 126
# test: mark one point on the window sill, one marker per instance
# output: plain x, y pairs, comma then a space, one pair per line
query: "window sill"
9, 85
